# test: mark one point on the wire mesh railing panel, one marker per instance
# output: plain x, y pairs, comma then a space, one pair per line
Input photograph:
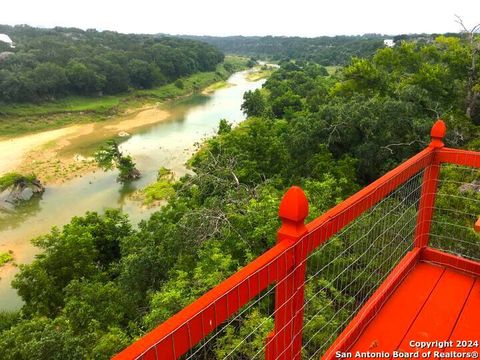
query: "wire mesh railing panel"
243, 335
456, 209
344, 272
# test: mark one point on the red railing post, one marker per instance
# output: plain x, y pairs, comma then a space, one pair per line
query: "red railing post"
429, 187
285, 341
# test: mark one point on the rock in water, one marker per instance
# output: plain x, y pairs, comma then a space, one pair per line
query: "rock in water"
23, 189
26, 194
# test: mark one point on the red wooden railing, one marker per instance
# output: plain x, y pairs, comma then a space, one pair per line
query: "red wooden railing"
284, 265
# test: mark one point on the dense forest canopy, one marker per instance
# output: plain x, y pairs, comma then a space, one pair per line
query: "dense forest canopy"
50, 63
324, 50
100, 283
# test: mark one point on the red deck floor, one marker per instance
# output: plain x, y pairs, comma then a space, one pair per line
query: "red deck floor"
432, 303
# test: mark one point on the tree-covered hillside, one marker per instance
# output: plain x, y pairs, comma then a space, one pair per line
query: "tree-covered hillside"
324, 50
50, 63
100, 283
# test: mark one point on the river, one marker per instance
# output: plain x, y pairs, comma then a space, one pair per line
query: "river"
168, 143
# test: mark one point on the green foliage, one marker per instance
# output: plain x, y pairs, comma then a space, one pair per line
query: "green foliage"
110, 156
89, 305
159, 190
83, 249
325, 314
164, 174
184, 287
251, 62
456, 211
324, 50
179, 84
41, 338
8, 319
10, 179
245, 340
224, 127
286, 104
50, 80
49, 63
377, 110
5, 257
110, 343
253, 103
83, 79
142, 74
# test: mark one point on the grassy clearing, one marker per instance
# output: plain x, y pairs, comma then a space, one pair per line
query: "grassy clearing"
158, 191
161, 190
260, 73
6, 257
215, 86
18, 119
70, 104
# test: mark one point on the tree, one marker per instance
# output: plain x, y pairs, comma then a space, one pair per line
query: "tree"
285, 104
83, 79
142, 74
83, 249
473, 84
224, 127
116, 78
253, 103
251, 62
50, 80
89, 305
17, 86
42, 338
110, 156
49, 63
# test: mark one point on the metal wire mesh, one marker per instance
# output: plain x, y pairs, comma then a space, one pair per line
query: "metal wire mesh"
456, 209
242, 336
345, 272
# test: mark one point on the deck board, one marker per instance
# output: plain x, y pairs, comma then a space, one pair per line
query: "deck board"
434, 302
468, 324
383, 334
441, 311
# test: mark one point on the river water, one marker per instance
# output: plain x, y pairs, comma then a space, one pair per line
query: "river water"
168, 143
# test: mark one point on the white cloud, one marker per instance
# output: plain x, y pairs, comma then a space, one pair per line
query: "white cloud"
246, 17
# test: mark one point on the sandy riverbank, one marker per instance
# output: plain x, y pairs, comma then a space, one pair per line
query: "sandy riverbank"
51, 154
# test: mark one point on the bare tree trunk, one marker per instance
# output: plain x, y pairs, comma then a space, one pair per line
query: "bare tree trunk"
472, 95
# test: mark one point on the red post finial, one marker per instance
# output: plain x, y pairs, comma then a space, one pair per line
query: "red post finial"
477, 226
285, 341
439, 129
292, 211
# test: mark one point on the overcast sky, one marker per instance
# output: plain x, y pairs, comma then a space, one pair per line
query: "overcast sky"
245, 17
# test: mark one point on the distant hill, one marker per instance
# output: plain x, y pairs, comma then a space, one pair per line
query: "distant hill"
51, 63
325, 50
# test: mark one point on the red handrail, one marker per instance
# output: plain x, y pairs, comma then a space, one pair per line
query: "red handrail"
284, 264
